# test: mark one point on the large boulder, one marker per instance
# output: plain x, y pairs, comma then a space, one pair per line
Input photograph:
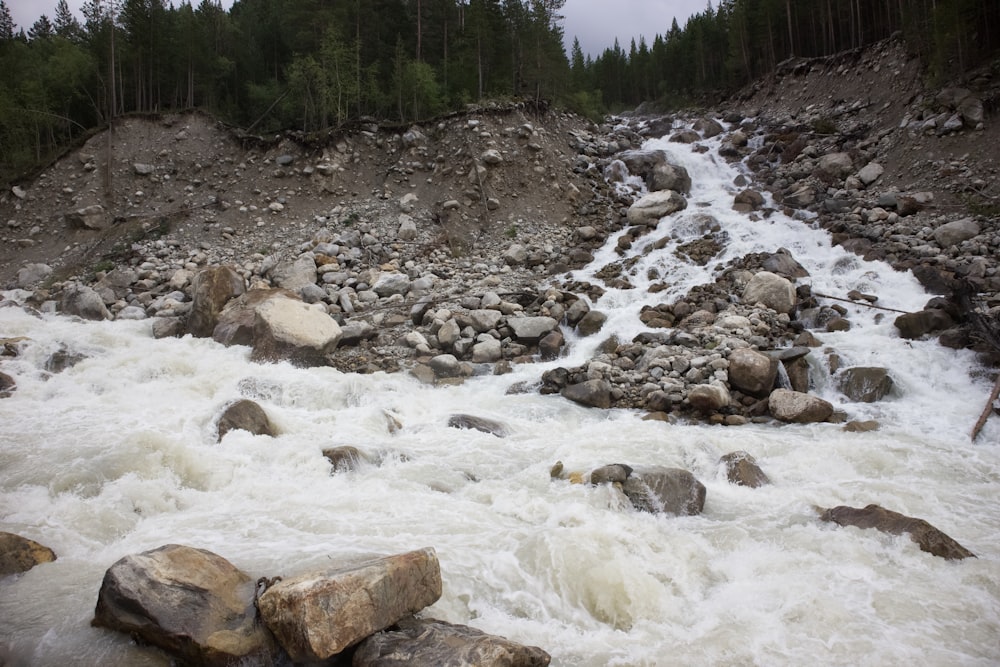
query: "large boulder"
865, 384
708, 398
837, 165
391, 283
187, 601
953, 233
666, 176
19, 554
296, 274
752, 372
742, 470
929, 538
290, 329
31, 275
428, 641
211, 290
317, 615
84, 302
530, 330
592, 393
798, 407
7, 385
915, 325
670, 490
772, 290
649, 209
483, 424
89, 217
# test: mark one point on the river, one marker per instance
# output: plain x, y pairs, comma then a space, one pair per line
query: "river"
118, 454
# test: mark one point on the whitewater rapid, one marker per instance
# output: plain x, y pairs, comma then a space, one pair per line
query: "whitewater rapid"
117, 454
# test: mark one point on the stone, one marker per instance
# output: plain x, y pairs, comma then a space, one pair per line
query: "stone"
211, 290
7, 385
953, 233
317, 615
245, 415
89, 217
915, 325
19, 554
487, 351
708, 398
344, 458
296, 274
591, 323
84, 302
391, 283
649, 209
446, 366
708, 127
485, 319
427, 641
491, 157
870, 173
742, 470
576, 311
783, 264
665, 490
449, 333
531, 329
799, 196
142, 169
798, 407
30, 275
865, 384
971, 111
927, 537
289, 329
190, 602
490, 426
592, 393
551, 345
407, 228
615, 473
666, 176
752, 372
748, 200
772, 290
861, 426
838, 165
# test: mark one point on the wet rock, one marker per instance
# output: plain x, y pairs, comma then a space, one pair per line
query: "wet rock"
783, 264
246, 415
7, 385
708, 398
915, 325
649, 209
669, 490
772, 290
84, 302
752, 372
428, 641
344, 458
478, 424
748, 200
551, 345
615, 473
861, 426
798, 407
532, 329
865, 384
317, 615
666, 176
19, 554
929, 538
742, 470
190, 602
591, 323
592, 393
448, 366
211, 290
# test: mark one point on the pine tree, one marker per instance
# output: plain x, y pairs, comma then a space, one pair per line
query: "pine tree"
66, 25
6, 23
40, 29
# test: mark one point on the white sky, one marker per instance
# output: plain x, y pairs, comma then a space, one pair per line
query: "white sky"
595, 22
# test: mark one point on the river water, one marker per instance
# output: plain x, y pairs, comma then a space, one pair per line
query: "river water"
117, 455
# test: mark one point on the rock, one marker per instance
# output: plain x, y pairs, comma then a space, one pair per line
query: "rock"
485, 319
169, 327
551, 345
487, 351
478, 424
18, 192
449, 333
649, 209
591, 323
296, 274
344, 458
530, 330
870, 173
772, 290
515, 255
742, 470
407, 228
670, 490
290, 329
708, 398
446, 366
31, 275
142, 169
615, 473
89, 217
783, 264
84, 302
838, 165
685, 137
190, 602
748, 200
391, 283
211, 290
971, 111
245, 415
408, 202
861, 426
491, 157
415, 641
666, 176
708, 127
19, 554
798, 407
317, 615
799, 196
865, 384
7, 385
953, 233
914, 325
929, 538
752, 372
592, 393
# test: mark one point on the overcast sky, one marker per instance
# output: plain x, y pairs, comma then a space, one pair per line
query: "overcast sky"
595, 22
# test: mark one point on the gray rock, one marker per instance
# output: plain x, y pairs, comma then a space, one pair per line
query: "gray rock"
391, 283
89, 217
485, 319
428, 641
742, 470
31, 275
344, 458
289, 329
211, 290
7, 385
487, 351
591, 323
616, 473
649, 209
449, 333
669, 490
953, 233
666, 176
84, 302
772, 290
244, 415
838, 165
592, 393
915, 325
446, 366
516, 254
748, 200
927, 537
798, 407
407, 228
317, 615
142, 169
865, 384
490, 426
799, 196
295, 275
752, 372
870, 173
531, 329
19, 554
190, 602
708, 398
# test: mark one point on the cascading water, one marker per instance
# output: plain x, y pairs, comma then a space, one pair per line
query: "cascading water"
117, 455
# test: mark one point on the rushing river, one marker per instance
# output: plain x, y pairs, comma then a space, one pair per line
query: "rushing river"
118, 454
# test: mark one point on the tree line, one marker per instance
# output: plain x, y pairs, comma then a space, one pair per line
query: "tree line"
314, 64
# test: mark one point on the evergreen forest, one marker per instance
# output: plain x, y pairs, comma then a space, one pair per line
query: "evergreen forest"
311, 65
